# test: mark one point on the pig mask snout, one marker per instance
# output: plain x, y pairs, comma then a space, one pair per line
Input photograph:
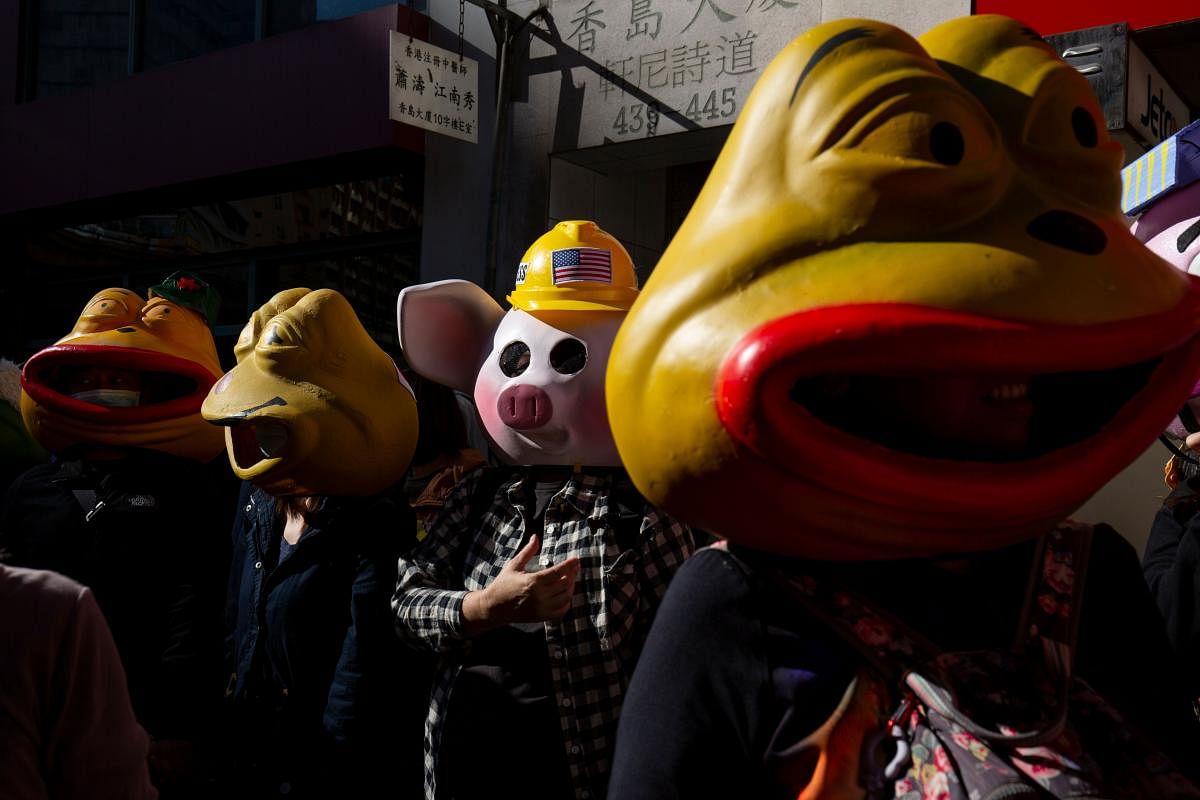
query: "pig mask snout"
524, 407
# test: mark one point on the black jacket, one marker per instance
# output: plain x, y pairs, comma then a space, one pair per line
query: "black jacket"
734, 678
145, 534
320, 689
1171, 564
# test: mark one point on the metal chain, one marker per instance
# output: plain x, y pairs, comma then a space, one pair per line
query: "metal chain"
462, 4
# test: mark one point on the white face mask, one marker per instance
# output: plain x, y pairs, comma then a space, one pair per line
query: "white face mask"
576, 431
113, 398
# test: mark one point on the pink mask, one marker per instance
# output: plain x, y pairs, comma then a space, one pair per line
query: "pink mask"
538, 381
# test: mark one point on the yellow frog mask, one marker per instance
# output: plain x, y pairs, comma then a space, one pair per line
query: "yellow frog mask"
314, 406
895, 218
77, 391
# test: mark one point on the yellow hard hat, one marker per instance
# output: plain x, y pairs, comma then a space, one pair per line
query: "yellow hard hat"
575, 266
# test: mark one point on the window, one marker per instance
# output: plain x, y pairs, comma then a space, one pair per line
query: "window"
79, 43
247, 248
67, 45
175, 30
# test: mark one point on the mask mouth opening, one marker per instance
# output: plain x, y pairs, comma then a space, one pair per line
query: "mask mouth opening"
115, 385
258, 440
986, 418
128, 389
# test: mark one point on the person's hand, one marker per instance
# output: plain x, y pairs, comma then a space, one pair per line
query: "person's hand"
171, 761
1193, 442
519, 596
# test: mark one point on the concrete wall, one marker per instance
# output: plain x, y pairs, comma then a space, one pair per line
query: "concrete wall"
631, 206
458, 173
1130, 500
550, 115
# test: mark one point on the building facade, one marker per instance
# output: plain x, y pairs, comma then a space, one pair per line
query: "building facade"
251, 142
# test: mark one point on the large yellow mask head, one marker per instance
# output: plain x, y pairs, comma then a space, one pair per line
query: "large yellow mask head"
130, 374
905, 315
314, 406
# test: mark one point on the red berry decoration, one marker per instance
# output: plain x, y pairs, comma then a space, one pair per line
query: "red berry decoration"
187, 284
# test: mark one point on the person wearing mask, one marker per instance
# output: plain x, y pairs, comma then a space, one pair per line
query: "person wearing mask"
538, 580
320, 424
129, 503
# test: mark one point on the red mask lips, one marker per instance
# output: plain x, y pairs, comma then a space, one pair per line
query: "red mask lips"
176, 386
1137, 372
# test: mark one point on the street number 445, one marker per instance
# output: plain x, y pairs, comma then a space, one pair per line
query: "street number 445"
711, 110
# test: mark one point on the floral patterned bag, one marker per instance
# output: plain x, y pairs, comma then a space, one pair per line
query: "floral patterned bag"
987, 724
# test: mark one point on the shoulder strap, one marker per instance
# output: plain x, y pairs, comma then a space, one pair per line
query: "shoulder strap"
903, 656
1054, 595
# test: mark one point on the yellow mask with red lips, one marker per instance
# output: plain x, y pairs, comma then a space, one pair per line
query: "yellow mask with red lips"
314, 406
165, 347
891, 213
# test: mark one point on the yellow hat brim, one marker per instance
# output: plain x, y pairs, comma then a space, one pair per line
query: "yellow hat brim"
559, 300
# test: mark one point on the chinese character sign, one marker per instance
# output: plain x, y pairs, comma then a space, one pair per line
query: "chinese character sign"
433, 88
696, 59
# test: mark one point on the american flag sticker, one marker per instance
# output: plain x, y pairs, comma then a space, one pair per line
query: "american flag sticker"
521, 272
582, 264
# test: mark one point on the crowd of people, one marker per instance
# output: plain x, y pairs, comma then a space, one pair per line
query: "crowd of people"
321, 575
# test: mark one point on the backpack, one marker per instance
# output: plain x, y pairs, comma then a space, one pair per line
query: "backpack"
921, 723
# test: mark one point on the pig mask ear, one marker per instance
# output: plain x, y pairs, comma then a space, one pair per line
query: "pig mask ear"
446, 330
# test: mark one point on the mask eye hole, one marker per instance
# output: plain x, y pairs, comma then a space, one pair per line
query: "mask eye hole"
273, 336
1084, 127
568, 356
946, 143
1189, 235
514, 359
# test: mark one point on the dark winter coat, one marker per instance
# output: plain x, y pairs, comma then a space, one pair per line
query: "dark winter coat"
143, 533
321, 692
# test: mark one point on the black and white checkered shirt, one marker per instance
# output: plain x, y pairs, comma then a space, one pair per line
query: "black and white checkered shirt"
593, 647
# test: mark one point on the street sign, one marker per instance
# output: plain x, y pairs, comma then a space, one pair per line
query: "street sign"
433, 88
1153, 109
1140, 107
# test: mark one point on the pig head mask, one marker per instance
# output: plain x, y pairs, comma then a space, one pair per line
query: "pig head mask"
1164, 185
537, 371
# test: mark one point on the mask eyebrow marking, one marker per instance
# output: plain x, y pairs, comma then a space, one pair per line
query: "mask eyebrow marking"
827, 47
1188, 236
238, 416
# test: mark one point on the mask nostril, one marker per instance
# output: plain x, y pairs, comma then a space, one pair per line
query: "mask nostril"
1069, 231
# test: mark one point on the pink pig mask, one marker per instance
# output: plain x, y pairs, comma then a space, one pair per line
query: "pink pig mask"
537, 379
1171, 228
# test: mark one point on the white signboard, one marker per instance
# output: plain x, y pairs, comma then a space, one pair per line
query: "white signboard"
433, 88
1151, 106
695, 60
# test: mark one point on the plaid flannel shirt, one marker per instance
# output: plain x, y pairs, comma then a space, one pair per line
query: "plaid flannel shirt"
592, 648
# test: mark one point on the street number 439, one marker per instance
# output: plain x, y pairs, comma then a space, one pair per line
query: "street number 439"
637, 118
